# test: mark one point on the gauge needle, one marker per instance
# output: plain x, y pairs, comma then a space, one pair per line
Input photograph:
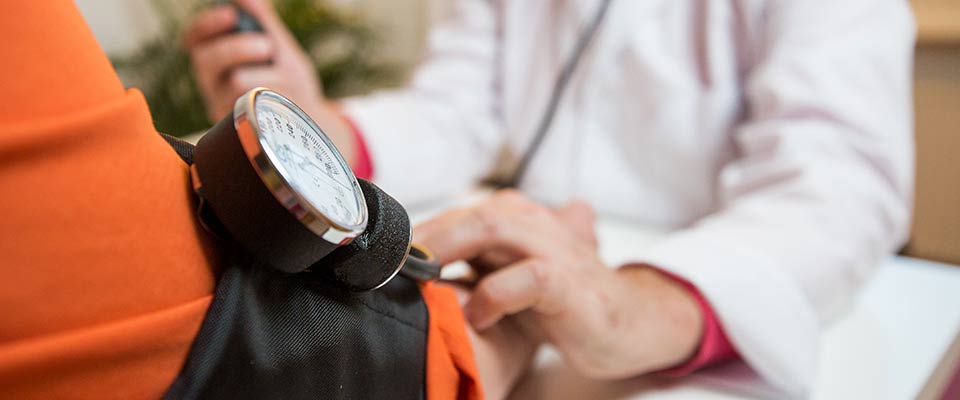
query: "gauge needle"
304, 162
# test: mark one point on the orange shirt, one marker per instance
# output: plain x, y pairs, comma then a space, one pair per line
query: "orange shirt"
106, 275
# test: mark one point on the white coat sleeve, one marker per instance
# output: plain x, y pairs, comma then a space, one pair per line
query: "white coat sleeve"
820, 190
437, 135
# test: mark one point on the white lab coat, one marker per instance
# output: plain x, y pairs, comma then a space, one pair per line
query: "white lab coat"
774, 137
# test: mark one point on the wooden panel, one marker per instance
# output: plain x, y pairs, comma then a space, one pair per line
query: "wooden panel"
936, 230
938, 21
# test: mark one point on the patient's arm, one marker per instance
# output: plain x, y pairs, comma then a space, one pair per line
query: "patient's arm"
502, 353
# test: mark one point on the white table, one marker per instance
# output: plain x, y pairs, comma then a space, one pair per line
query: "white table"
899, 340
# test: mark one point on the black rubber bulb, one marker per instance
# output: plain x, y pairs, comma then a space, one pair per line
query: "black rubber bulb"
246, 22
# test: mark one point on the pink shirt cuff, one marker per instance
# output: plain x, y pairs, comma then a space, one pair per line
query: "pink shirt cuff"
363, 166
714, 345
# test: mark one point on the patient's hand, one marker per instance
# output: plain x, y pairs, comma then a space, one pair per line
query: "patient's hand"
502, 352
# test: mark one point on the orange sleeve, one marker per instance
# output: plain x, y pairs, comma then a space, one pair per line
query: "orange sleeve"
106, 277
451, 368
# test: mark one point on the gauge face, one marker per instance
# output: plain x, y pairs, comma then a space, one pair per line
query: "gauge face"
308, 161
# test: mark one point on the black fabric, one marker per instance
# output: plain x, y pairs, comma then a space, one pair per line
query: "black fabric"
183, 148
273, 335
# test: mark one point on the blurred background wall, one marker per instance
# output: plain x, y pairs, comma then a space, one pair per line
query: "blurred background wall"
121, 25
936, 228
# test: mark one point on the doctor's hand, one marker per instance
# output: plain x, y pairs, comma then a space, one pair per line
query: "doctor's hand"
227, 65
541, 269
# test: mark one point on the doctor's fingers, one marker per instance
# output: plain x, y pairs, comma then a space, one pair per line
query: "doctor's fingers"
215, 63
576, 215
527, 284
470, 233
222, 19
287, 46
581, 219
212, 60
493, 260
208, 24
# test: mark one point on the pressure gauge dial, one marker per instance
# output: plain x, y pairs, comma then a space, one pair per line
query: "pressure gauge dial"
270, 180
300, 165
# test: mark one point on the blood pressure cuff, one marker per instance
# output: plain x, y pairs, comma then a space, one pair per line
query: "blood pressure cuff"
270, 334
